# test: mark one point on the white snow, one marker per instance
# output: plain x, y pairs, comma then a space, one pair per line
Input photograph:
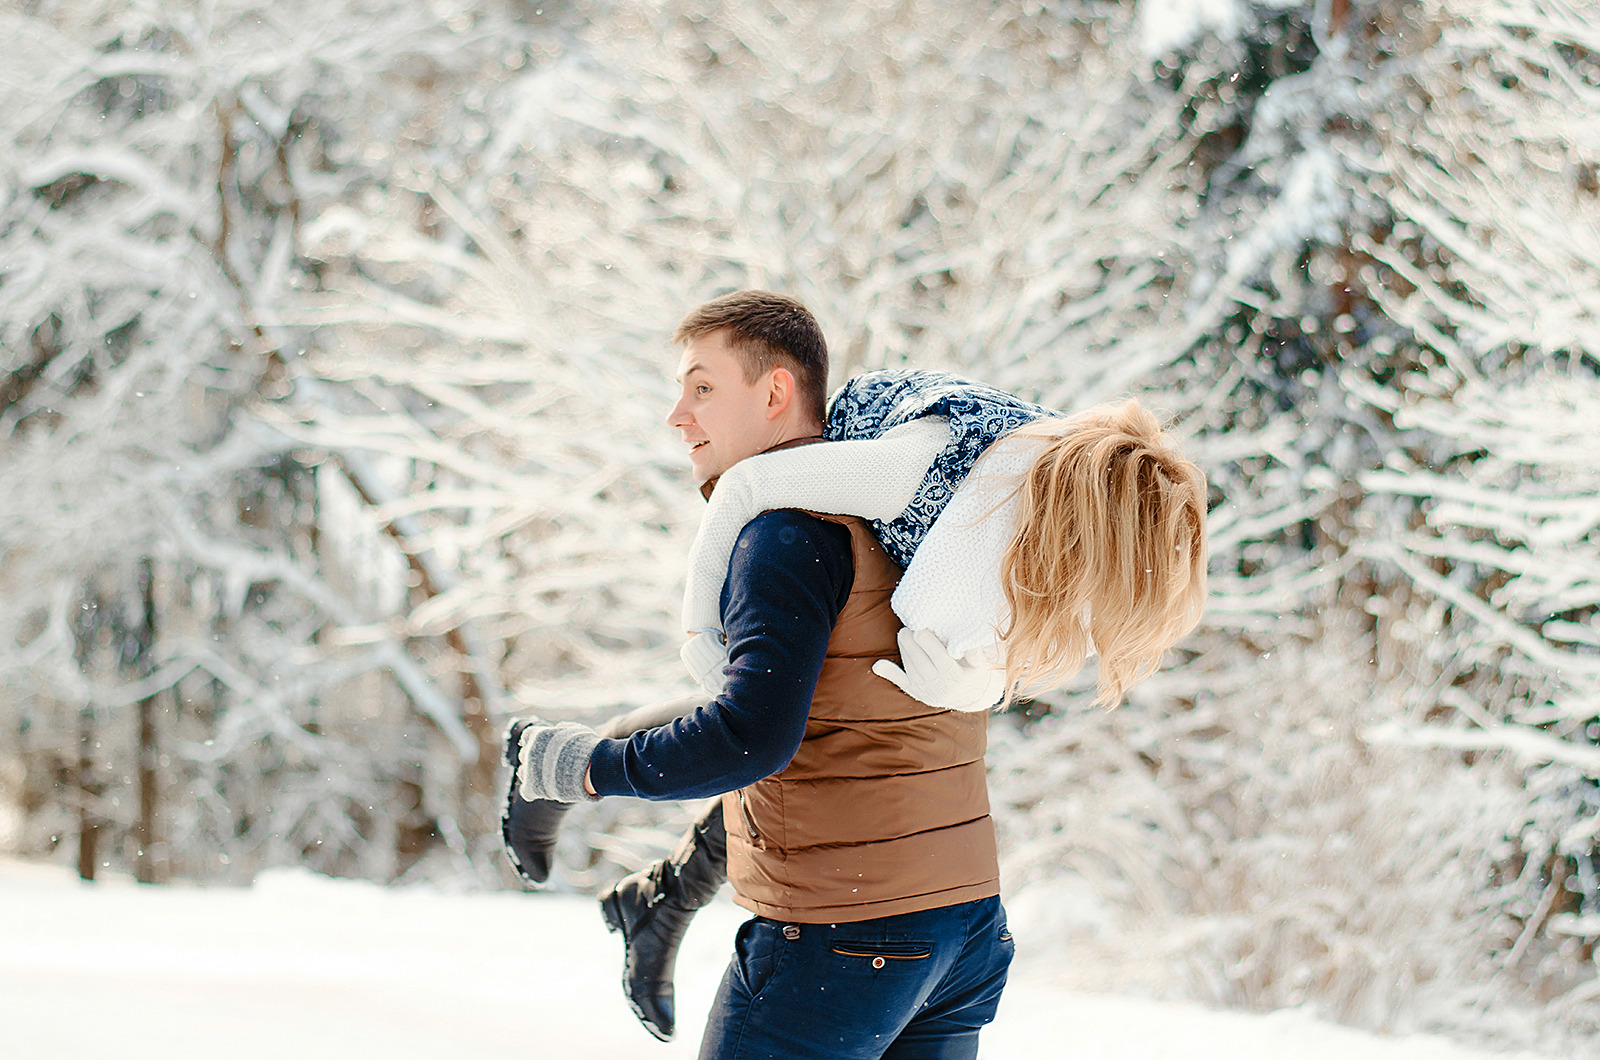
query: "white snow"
307, 967
1167, 25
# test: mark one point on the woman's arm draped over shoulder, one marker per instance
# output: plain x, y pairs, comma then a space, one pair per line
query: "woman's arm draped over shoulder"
873, 478
886, 463
953, 586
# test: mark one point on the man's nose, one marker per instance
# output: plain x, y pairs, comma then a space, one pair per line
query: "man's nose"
679, 417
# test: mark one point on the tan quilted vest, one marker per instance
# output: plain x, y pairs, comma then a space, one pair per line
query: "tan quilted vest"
884, 809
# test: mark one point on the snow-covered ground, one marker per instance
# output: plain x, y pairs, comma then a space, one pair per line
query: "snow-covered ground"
303, 967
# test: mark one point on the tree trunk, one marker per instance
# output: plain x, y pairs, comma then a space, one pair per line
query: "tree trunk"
88, 828
1338, 16
145, 867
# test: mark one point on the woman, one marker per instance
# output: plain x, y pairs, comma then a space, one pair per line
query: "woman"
1073, 531
1029, 540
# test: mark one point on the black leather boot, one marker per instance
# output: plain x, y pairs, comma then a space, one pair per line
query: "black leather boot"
652, 909
528, 828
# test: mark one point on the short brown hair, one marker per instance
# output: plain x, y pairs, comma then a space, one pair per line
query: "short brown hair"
767, 330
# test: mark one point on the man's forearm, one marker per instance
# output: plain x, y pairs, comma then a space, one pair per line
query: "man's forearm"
786, 584
647, 717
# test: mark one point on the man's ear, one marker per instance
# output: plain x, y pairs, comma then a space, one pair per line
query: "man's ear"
780, 392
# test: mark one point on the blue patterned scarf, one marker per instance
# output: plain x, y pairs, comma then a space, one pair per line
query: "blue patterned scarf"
873, 402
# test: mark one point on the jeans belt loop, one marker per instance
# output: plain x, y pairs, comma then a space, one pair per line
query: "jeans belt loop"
791, 931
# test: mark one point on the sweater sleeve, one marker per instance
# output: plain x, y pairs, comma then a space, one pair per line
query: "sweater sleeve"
953, 585
788, 579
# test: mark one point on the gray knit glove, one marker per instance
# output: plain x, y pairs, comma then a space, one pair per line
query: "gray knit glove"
554, 759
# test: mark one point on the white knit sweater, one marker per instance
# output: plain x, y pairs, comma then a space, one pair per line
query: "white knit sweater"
952, 587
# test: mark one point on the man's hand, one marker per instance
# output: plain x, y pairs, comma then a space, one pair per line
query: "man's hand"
554, 761
935, 677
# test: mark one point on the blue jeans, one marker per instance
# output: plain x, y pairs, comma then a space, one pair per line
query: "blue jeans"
913, 987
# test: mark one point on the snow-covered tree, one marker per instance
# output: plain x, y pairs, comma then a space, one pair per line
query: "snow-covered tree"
163, 539
1392, 415
336, 356
1493, 264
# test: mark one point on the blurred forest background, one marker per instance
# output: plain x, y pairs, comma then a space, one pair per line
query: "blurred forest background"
335, 350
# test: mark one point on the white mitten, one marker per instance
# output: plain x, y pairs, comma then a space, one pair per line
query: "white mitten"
930, 674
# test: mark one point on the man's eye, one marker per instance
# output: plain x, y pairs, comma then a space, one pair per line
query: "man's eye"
702, 389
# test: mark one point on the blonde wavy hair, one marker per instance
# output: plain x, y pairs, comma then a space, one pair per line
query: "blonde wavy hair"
1109, 552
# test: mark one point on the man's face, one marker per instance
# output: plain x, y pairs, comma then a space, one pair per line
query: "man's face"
722, 418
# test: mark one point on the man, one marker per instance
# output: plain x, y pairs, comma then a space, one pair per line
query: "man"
857, 818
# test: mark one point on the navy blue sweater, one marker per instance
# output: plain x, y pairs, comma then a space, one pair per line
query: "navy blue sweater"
787, 582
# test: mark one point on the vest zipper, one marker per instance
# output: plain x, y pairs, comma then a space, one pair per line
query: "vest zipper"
749, 821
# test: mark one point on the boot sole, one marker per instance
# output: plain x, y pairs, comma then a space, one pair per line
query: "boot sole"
611, 912
509, 755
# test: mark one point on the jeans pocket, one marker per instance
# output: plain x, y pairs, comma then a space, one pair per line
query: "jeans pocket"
879, 954
758, 950
1006, 950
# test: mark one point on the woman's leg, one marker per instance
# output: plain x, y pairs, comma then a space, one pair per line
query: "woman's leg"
652, 909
